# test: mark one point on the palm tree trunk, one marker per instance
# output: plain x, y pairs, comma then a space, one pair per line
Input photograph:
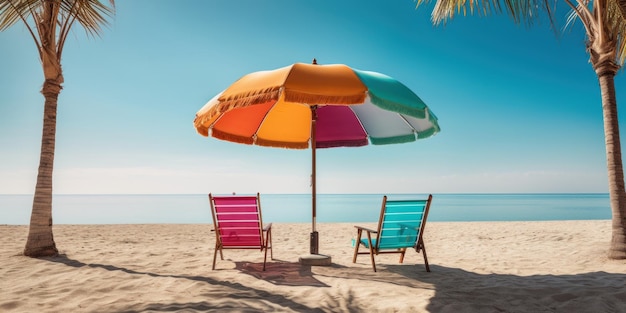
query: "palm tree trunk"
40, 241
617, 193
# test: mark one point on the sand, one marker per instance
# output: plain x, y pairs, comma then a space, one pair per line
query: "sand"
476, 267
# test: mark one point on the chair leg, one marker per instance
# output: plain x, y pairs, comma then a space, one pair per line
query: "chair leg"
267, 245
369, 240
425, 257
217, 247
356, 245
269, 236
403, 251
265, 258
218, 244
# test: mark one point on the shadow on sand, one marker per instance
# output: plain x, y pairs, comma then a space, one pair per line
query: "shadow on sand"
234, 296
281, 273
456, 290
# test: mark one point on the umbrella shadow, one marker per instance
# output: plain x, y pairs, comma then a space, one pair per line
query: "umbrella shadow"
281, 273
460, 290
238, 296
452, 289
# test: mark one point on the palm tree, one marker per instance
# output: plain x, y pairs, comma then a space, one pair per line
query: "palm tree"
604, 22
49, 22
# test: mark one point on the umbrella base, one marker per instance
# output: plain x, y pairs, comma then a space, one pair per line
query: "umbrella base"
316, 260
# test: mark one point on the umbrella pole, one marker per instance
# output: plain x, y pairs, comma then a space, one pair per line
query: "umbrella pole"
314, 258
314, 233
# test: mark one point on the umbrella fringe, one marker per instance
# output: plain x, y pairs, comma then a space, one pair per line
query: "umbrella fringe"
397, 107
199, 122
393, 140
281, 144
229, 137
341, 143
249, 98
428, 132
308, 98
202, 130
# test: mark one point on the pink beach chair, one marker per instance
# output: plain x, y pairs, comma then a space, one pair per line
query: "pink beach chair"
238, 225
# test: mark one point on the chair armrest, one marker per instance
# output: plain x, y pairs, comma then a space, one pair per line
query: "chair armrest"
267, 227
366, 229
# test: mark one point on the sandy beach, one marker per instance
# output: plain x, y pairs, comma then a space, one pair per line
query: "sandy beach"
476, 267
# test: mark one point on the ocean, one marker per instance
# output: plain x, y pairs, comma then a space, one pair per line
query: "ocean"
296, 208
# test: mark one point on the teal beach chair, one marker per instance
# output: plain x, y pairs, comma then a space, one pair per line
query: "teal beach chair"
400, 226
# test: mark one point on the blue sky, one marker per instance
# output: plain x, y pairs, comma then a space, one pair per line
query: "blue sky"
519, 108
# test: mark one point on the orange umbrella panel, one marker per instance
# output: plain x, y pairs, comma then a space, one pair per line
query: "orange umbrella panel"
273, 124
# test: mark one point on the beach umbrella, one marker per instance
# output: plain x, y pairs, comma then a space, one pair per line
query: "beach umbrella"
303, 106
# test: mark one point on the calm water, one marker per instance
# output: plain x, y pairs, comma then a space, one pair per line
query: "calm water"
143, 209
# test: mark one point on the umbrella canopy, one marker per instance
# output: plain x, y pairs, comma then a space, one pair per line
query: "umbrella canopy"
318, 106
272, 108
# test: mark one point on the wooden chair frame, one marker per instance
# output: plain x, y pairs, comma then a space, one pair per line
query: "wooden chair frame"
373, 244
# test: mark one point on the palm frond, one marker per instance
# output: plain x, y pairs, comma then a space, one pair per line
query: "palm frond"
90, 14
604, 20
521, 11
615, 24
13, 11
